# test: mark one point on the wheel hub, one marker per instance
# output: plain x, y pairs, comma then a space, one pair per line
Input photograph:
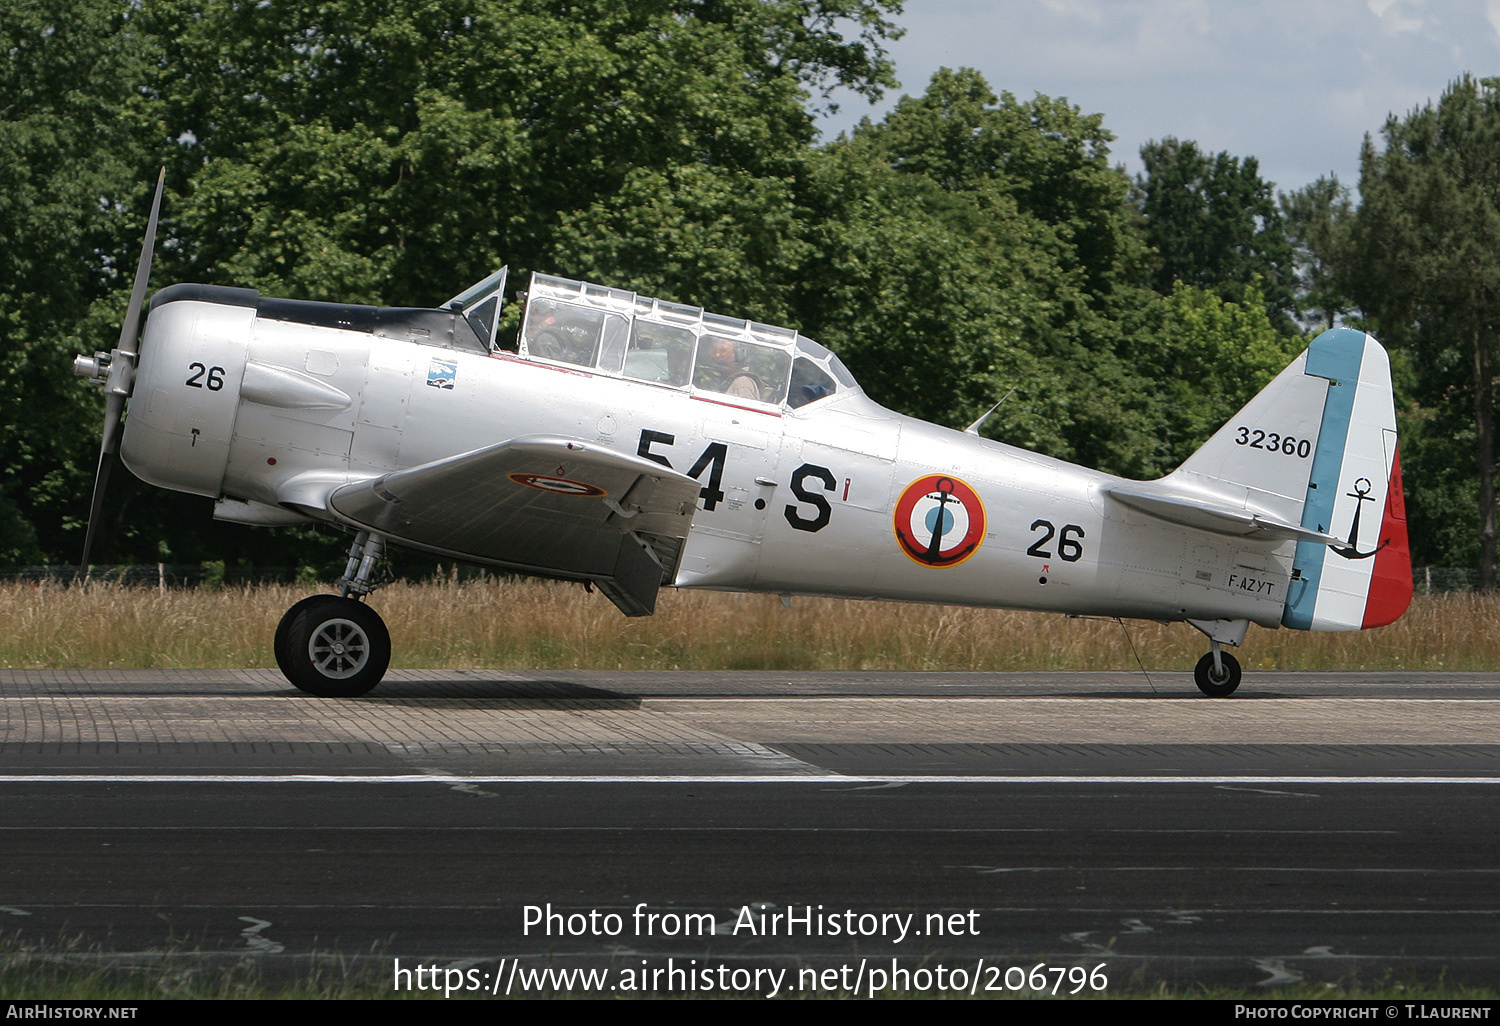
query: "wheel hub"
339, 648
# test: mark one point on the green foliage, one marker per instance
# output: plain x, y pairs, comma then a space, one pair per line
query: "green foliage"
1214, 223
1423, 264
1044, 154
967, 244
69, 178
1318, 218
213, 573
1437, 453
358, 151
718, 237
1207, 358
346, 149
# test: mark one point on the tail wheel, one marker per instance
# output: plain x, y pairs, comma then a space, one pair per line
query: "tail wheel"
1222, 683
333, 647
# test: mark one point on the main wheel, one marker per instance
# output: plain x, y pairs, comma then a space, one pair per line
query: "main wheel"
1220, 685
335, 648
278, 645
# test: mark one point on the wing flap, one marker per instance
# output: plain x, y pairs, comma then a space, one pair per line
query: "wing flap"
539, 504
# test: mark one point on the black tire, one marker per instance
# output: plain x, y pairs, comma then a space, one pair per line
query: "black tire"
336, 648
1223, 685
278, 645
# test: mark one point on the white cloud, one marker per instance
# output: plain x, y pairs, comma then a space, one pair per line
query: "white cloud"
1293, 83
1390, 15
1090, 11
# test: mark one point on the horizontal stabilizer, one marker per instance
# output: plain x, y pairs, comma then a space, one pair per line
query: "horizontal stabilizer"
1209, 513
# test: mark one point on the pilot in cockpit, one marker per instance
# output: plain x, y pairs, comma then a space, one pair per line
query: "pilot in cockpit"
721, 369
556, 331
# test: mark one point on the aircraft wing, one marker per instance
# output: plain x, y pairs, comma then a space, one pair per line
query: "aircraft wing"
1211, 513
539, 504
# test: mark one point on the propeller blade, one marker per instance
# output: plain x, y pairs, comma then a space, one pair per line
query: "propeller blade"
101, 478
132, 325
114, 401
114, 407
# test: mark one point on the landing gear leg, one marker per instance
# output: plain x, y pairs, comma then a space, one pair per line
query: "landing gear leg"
364, 554
1218, 673
334, 646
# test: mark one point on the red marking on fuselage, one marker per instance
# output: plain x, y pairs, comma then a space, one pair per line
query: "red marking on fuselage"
736, 406
1390, 583
526, 361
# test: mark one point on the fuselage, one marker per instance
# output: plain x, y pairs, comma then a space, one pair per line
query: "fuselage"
839, 496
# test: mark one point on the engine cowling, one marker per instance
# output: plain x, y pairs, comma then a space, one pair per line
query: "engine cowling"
181, 414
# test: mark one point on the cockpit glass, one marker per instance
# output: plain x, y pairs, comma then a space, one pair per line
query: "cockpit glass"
841, 372
612, 343
666, 343
659, 352
812, 348
810, 383
822, 355
564, 332
480, 305
770, 366
740, 369
482, 319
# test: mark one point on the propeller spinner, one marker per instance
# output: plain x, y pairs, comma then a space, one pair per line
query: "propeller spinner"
115, 371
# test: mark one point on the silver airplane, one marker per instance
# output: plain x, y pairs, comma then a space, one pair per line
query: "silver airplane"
633, 443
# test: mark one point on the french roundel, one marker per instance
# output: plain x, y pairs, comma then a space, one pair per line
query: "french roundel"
557, 485
939, 521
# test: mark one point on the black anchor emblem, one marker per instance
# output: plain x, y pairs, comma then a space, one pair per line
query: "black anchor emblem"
1361, 494
945, 496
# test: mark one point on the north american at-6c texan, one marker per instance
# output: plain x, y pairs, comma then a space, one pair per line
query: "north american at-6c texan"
635, 443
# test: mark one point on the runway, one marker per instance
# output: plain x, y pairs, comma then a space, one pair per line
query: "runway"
1314, 828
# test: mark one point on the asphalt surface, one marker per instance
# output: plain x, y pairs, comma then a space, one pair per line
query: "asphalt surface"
1314, 828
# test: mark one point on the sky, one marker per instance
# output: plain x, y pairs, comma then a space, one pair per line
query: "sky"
1294, 83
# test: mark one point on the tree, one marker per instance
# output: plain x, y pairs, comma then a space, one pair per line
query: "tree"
353, 149
1214, 223
1425, 259
971, 243
1206, 358
71, 152
1317, 219
1044, 154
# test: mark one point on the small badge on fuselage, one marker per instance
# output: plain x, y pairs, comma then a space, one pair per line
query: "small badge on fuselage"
441, 373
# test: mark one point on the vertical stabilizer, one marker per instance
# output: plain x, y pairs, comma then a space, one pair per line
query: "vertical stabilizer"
1354, 493
1262, 457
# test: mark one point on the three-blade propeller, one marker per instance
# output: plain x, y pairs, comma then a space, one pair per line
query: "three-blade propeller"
115, 371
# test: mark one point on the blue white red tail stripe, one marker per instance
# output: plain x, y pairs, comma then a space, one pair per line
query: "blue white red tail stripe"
1353, 492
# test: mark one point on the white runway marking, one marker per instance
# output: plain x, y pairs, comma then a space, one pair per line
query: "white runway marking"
723, 778
255, 941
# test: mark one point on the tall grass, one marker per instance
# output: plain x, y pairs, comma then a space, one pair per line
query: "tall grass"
447, 624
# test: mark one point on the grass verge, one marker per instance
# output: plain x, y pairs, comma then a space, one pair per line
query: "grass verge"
545, 625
